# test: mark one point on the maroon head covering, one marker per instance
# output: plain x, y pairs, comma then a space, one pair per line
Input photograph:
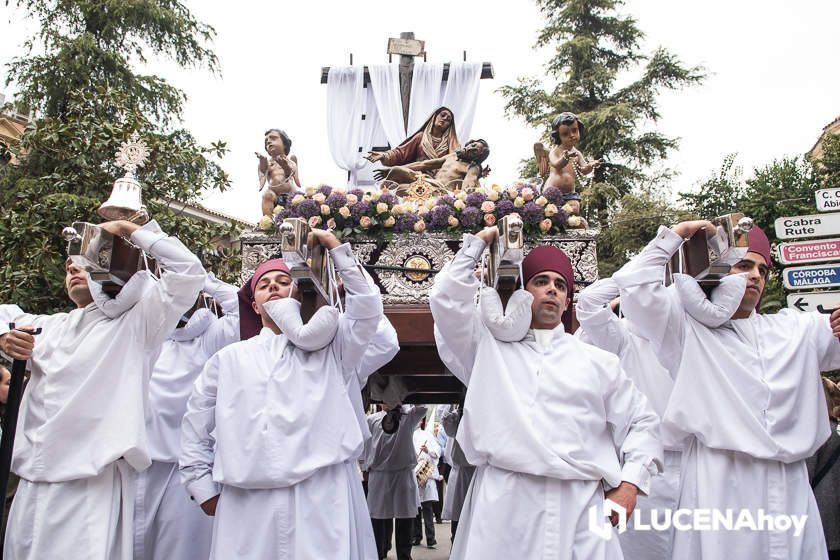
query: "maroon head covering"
546, 257
758, 243
250, 323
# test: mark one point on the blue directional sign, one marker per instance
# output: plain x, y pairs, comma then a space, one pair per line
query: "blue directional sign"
808, 277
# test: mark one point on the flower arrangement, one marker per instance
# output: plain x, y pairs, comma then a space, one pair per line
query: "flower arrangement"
382, 213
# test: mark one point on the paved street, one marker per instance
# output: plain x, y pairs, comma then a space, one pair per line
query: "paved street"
441, 552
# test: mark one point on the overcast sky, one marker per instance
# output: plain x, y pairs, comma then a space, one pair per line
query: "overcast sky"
773, 83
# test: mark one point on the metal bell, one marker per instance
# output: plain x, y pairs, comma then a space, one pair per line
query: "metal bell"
125, 202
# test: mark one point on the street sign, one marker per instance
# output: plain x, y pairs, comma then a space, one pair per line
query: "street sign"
809, 277
803, 252
823, 302
828, 200
814, 225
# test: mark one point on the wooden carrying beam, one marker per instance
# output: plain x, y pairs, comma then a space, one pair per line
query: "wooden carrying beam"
486, 72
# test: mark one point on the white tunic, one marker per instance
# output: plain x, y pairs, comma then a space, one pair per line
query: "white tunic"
462, 472
167, 523
428, 492
390, 461
601, 327
537, 424
749, 396
273, 425
83, 411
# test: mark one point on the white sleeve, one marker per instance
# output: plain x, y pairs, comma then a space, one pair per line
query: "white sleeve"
161, 308
635, 431
197, 456
601, 327
452, 302
224, 330
381, 350
654, 310
362, 313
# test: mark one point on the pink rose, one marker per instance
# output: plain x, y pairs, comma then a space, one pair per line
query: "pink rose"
364, 222
314, 221
453, 221
419, 226
389, 222
325, 210
344, 211
489, 219
352, 199
528, 193
331, 223
487, 206
545, 225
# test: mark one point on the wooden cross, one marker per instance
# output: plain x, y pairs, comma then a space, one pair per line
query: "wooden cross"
407, 47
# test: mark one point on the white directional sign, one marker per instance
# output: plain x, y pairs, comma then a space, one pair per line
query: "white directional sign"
804, 252
828, 200
823, 302
810, 277
814, 225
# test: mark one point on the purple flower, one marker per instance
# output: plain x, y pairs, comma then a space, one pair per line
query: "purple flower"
324, 189
559, 219
504, 207
308, 208
554, 196
475, 198
447, 199
470, 217
532, 213
359, 193
335, 200
388, 198
439, 216
406, 222
359, 209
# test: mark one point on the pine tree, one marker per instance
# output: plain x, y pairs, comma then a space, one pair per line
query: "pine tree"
88, 100
594, 46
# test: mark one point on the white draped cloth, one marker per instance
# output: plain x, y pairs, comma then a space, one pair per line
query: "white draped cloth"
601, 327
346, 97
351, 137
539, 423
385, 84
273, 426
390, 461
81, 432
459, 92
748, 396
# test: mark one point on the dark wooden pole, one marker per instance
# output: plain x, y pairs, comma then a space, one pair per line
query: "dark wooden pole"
7, 442
406, 73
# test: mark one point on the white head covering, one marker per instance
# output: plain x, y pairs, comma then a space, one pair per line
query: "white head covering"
719, 308
510, 324
136, 287
317, 333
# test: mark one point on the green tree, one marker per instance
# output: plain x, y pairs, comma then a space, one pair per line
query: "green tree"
89, 44
719, 194
594, 46
634, 222
89, 100
827, 168
782, 188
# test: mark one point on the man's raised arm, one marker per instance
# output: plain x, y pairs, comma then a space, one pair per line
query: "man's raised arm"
179, 284
654, 310
452, 301
601, 327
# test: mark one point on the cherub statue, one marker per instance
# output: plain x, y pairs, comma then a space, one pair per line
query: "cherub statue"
279, 169
459, 170
564, 160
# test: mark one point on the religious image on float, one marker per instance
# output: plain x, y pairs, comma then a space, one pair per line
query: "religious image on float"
432, 183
